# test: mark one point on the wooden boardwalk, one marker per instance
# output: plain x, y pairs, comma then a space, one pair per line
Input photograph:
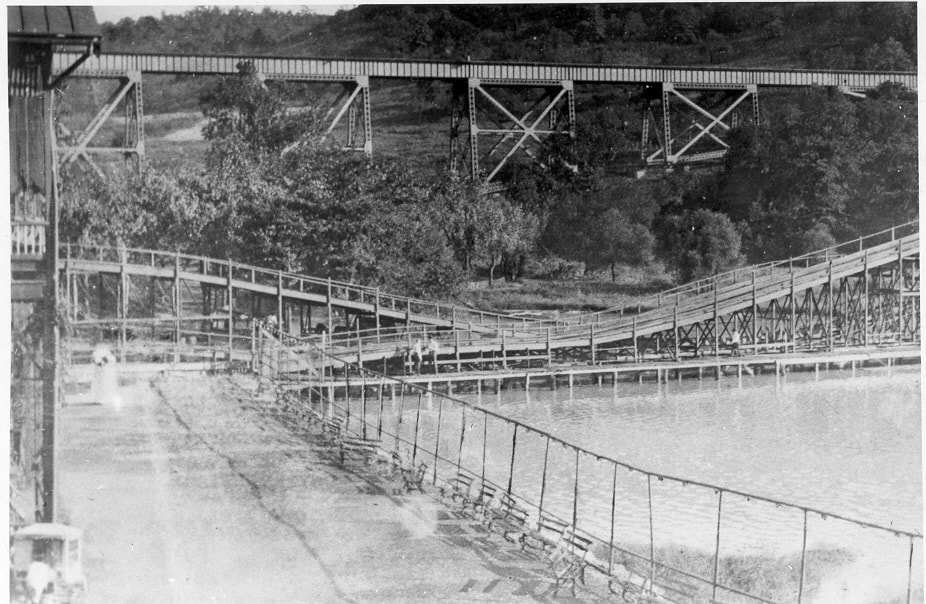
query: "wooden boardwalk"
658, 371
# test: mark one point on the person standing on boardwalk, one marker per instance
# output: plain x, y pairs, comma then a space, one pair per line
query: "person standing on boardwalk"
735, 343
416, 355
434, 350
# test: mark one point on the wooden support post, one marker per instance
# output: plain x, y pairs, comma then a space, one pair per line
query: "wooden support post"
900, 322
865, 300
231, 311
636, 357
456, 349
591, 341
177, 307
376, 314
755, 315
330, 311
793, 314
123, 303
549, 350
716, 323
831, 327
283, 329
504, 353
677, 350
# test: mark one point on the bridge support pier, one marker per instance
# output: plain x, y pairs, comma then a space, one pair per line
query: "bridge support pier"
506, 130
354, 101
701, 139
129, 93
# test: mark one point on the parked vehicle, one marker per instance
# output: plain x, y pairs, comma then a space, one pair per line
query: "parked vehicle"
46, 564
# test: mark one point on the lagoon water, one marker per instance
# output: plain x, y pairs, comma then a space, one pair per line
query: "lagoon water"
850, 446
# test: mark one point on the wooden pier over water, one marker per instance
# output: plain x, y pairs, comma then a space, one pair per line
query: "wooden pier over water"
552, 378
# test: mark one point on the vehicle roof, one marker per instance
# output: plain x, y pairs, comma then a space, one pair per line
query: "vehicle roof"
49, 530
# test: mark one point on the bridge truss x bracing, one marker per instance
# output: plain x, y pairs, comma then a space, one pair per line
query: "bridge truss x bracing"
688, 127
702, 138
494, 132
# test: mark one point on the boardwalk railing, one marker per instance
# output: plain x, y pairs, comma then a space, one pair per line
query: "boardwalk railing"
272, 282
623, 508
673, 296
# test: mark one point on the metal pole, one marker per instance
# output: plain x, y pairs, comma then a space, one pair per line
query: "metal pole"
382, 393
514, 443
363, 406
543, 479
910, 571
575, 495
652, 543
398, 425
347, 396
800, 585
485, 435
462, 435
613, 506
440, 409
417, 416
717, 546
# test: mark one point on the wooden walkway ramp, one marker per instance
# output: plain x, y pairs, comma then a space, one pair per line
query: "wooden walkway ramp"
860, 294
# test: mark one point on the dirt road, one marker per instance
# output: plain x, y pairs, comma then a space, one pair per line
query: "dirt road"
188, 492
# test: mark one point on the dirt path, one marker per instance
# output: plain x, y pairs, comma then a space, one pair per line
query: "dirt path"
189, 493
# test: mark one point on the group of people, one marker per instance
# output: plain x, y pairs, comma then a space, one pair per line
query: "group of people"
415, 354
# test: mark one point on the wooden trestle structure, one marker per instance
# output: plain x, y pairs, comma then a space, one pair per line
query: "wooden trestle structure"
864, 293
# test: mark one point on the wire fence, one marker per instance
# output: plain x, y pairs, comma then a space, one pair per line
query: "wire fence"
679, 539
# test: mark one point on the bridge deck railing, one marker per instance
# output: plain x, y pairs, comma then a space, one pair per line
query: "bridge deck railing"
675, 295
548, 475
277, 280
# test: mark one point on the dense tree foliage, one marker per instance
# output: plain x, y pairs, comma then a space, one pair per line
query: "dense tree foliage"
820, 167
870, 35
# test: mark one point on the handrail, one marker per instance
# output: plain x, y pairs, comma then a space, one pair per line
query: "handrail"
265, 276
710, 282
369, 421
537, 328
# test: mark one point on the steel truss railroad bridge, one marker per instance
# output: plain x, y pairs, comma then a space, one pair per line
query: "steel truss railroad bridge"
484, 133
863, 293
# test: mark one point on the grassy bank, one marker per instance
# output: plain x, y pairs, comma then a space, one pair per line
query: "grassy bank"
634, 285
